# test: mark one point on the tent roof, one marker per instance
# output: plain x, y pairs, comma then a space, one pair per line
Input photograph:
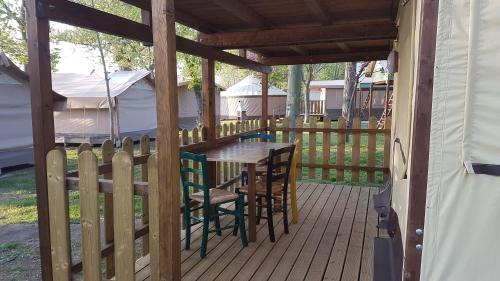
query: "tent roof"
73, 85
250, 86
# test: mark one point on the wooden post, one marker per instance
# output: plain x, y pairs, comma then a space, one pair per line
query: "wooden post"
298, 124
265, 89
286, 134
326, 148
167, 140
370, 101
108, 151
356, 145
42, 115
145, 149
341, 149
208, 91
312, 148
419, 154
372, 148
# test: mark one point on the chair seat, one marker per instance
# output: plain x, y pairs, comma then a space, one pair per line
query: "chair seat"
216, 196
260, 188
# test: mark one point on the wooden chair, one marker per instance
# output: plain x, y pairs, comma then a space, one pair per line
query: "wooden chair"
211, 201
293, 181
260, 169
274, 187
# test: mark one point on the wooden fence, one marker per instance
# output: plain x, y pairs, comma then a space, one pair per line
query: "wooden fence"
316, 107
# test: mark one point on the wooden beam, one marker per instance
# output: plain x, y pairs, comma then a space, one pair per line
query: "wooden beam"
193, 22
421, 134
42, 115
332, 58
82, 16
244, 12
264, 106
300, 50
209, 120
167, 140
302, 35
318, 10
193, 48
343, 46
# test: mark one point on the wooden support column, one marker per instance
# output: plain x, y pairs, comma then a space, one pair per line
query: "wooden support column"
208, 89
42, 118
167, 140
265, 90
370, 101
421, 136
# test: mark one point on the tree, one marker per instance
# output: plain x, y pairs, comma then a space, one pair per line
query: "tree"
310, 71
350, 85
293, 96
13, 36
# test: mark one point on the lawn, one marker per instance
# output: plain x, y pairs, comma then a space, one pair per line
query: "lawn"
18, 200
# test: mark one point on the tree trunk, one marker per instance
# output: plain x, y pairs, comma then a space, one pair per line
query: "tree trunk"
349, 92
307, 98
293, 96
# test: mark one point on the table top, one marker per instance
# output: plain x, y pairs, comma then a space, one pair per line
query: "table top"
243, 152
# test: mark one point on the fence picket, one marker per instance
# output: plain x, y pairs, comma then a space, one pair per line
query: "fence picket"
238, 165
312, 148
84, 147
286, 134
124, 216
225, 165
356, 146
232, 165
89, 216
59, 214
341, 149
218, 177
298, 123
196, 177
154, 220
108, 151
128, 145
145, 149
326, 148
372, 148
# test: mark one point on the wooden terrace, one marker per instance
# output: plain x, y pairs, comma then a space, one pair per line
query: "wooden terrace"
331, 241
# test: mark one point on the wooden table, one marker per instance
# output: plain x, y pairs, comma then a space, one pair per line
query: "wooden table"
249, 153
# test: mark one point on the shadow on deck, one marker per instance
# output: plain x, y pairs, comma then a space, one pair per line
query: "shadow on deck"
333, 240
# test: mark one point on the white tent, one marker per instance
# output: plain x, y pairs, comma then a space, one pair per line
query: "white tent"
84, 116
16, 142
249, 92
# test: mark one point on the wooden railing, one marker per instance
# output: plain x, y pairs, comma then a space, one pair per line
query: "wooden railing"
360, 155
316, 107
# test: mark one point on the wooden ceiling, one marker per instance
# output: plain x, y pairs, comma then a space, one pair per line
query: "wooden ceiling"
295, 31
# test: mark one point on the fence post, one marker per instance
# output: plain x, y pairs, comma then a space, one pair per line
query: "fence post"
59, 214
286, 134
312, 148
341, 150
372, 148
145, 149
185, 163
326, 148
218, 164
232, 164
108, 151
356, 146
154, 222
89, 216
298, 123
124, 215
238, 165
225, 165
387, 147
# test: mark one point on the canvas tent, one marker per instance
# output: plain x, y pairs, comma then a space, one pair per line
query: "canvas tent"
249, 92
16, 141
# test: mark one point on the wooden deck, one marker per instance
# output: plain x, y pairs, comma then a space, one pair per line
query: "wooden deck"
333, 240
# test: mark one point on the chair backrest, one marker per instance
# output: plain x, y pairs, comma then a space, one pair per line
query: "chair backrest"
267, 137
278, 165
202, 172
295, 160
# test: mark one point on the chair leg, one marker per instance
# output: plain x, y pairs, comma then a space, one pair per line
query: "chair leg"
241, 220
187, 223
270, 226
259, 210
217, 221
204, 240
285, 210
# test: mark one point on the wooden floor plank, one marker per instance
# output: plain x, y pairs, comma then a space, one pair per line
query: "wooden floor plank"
320, 259
306, 241
279, 248
366, 272
353, 258
237, 250
337, 257
304, 191
252, 265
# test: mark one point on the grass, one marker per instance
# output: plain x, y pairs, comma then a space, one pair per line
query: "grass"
18, 198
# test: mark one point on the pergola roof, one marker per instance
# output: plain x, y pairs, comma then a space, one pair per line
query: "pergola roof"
307, 31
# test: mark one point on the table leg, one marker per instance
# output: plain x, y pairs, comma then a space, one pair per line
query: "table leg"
252, 233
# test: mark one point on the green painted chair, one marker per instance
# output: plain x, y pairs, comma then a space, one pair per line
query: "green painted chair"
211, 202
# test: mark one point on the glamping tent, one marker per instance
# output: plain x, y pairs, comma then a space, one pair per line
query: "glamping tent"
249, 92
16, 142
84, 116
